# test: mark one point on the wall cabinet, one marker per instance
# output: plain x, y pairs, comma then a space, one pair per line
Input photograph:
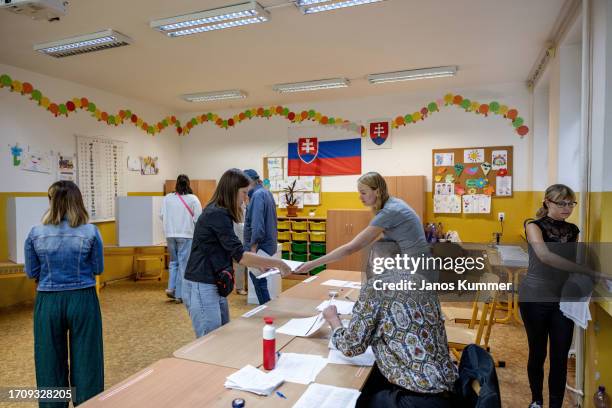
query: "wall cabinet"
203, 189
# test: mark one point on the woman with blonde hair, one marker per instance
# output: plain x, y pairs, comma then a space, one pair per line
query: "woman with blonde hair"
552, 255
64, 255
404, 328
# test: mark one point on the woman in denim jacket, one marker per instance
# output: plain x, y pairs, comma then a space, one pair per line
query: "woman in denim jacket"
64, 255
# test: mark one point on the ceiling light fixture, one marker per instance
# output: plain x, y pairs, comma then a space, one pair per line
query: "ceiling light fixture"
102, 40
214, 19
312, 85
412, 74
214, 96
316, 6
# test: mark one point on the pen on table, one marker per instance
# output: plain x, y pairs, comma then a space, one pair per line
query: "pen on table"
280, 394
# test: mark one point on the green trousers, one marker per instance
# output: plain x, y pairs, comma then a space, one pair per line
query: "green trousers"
68, 324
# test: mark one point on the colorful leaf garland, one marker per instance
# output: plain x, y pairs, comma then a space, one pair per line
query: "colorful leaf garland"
126, 115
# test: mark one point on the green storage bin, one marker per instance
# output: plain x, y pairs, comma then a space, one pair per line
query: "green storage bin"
312, 257
299, 257
299, 247
317, 248
286, 255
318, 269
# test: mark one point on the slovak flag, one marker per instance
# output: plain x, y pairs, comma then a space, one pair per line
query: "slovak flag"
323, 151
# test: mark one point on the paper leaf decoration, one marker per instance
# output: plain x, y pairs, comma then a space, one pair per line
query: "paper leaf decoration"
471, 183
438, 178
459, 190
458, 169
441, 170
481, 182
488, 190
486, 168
449, 178
472, 170
502, 172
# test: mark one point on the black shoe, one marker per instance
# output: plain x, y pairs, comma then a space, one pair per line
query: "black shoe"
170, 293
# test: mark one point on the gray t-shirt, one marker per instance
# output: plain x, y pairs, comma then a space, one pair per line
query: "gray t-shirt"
401, 224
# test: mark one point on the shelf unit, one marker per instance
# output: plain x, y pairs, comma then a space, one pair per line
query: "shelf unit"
303, 238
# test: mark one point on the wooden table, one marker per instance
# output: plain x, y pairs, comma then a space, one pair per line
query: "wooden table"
315, 290
177, 383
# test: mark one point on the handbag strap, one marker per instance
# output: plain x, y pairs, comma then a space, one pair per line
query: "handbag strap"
185, 204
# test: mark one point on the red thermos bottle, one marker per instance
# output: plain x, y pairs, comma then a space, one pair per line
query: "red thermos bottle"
269, 344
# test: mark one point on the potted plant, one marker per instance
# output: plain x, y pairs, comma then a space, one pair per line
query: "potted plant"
291, 199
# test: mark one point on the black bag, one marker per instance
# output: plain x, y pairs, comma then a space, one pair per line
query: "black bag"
225, 282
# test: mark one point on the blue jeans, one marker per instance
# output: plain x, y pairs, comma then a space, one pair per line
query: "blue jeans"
208, 310
261, 288
179, 250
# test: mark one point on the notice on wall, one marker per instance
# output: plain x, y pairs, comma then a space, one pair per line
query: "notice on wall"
450, 204
503, 186
476, 204
66, 170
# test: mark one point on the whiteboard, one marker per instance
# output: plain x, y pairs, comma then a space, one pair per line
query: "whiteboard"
100, 175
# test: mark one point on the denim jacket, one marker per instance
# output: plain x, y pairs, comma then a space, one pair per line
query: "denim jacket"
64, 258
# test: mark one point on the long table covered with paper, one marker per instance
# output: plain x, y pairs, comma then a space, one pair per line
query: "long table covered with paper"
226, 364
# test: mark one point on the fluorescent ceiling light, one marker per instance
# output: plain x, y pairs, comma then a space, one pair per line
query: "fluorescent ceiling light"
316, 6
412, 74
214, 96
312, 85
84, 43
214, 19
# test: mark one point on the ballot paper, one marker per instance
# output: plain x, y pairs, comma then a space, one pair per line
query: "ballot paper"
302, 327
344, 306
273, 271
250, 379
335, 356
342, 283
299, 368
327, 396
254, 311
269, 273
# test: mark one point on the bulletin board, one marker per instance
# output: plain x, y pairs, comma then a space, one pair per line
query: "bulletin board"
275, 179
485, 167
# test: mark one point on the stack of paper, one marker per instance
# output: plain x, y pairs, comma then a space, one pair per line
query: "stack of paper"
250, 379
512, 255
336, 357
302, 327
327, 396
344, 306
342, 283
299, 368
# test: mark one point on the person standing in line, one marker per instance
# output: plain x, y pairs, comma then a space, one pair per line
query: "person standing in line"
260, 230
241, 270
215, 246
64, 255
179, 212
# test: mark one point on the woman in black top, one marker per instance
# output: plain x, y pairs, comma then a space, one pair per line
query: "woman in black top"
552, 255
214, 247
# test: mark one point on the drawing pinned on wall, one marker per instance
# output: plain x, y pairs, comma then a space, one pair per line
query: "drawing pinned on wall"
472, 170
66, 169
16, 152
444, 189
503, 186
133, 163
149, 166
36, 162
499, 159
476, 204
450, 204
444, 159
458, 169
449, 178
486, 168
473, 155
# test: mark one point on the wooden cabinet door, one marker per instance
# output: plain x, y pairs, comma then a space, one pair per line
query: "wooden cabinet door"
411, 189
342, 227
391, 185
203, 189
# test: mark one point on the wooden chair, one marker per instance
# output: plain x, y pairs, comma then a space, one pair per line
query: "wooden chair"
138, 258
481, 320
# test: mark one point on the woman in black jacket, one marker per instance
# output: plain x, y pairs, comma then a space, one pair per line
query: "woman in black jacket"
214, 247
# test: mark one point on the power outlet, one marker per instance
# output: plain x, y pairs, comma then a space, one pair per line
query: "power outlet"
501, 216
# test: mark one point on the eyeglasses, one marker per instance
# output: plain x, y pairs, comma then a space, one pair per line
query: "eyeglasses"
563, 204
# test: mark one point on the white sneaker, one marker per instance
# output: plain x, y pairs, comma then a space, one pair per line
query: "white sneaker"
536, 404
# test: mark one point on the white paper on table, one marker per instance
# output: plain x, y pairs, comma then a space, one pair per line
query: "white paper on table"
250, 379
254, 311
327, 396
310, 279
299, 368
342, 283
366, 359
302, 327
344, 306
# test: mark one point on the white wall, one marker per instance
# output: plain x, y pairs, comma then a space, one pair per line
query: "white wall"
208, 150
539, 135
23, 121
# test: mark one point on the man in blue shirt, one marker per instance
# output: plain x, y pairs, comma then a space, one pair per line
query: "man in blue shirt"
260, 229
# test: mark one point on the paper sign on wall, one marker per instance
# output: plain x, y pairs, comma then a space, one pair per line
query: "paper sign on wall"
444, 189
65, 168
37, 162
447, 204
473, 155
503, 186
476, 204
499, 159
444, 159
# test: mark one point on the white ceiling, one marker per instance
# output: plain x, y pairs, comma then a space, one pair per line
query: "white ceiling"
492, 41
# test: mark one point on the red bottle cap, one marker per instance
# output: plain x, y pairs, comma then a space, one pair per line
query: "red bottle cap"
268, 320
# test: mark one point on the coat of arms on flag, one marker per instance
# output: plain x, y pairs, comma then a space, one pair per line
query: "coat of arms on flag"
323, 151
379, 134
308, 148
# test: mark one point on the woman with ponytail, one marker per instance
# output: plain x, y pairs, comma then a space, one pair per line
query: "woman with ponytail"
552, 255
